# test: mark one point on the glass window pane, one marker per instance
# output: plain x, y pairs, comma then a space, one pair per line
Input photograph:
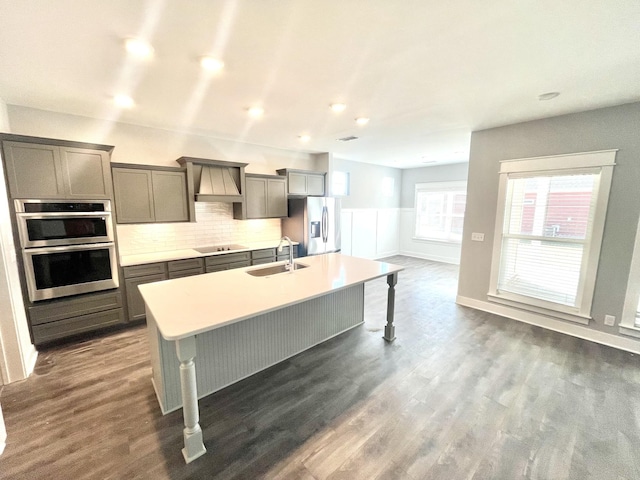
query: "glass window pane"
440, 214
552, 206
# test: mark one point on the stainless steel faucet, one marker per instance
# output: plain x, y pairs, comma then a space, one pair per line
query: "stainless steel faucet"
289, 266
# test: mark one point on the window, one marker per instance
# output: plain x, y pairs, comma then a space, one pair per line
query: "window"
440, 211
630, 322
548, 232
340, 183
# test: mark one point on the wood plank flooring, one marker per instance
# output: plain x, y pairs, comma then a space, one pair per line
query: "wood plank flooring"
460, 394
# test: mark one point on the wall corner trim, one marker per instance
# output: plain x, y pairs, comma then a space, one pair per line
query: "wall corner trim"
31, 356
603, 338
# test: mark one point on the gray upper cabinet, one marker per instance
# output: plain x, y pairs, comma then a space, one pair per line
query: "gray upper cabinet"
133, 192
315, 184
144, 195
304, 182
37, 170
266, 196
170, 196
86, 173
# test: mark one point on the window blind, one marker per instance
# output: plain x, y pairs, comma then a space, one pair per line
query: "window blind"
546, 233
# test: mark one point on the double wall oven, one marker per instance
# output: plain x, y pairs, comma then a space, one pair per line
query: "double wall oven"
67, 247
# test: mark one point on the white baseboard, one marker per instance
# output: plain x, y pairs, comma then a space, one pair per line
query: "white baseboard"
386, 254
434, 258
575, 330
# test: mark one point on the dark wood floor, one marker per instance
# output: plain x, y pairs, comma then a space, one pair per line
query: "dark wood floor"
459, 395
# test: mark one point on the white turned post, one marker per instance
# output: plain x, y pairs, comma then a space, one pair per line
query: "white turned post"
193, 444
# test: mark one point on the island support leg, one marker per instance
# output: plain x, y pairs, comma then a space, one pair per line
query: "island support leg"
389, 329
193, 444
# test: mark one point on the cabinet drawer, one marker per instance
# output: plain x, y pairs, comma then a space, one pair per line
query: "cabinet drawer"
227, 258
285, 250
284, 255
217, 268
147, 269
73, 326
239, 264
260, 261
264, 253
186, 273
187, 264
81, 305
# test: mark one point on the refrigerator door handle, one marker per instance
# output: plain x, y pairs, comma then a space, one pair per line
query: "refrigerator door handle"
325, 233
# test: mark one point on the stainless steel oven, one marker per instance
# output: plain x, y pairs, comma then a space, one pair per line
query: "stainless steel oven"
47, 223
67, 247
53, 272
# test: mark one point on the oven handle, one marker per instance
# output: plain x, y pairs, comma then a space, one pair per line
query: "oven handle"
67, 248
63, 214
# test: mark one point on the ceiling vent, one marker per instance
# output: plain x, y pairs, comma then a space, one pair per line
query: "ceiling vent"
347, 139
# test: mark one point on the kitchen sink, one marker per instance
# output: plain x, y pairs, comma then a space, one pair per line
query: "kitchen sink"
220, 248
274, 270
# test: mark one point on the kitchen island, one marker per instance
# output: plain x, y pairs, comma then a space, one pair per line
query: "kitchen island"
239, 324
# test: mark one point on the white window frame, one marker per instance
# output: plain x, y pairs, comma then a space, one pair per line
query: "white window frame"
601, 162
632, 297
433, 187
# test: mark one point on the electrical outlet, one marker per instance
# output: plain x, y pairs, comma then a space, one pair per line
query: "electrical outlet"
477, 237
609, 320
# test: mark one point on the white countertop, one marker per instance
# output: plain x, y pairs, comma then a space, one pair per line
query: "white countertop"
153, 257
183, 307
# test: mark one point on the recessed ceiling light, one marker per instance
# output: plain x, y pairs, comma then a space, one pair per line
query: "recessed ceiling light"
362, 120
211, 64
256, 112
548, 95
123, 101
338, 107
138, 47
304, 138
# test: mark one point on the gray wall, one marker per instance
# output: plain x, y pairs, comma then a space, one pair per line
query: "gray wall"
366, 184
607, 128
436, 173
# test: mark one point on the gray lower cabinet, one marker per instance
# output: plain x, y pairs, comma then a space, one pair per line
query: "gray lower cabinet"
227, 261
37, 170
144, 195
304, 182
265, 255
185, 268
268, 255
139, 275
65, 317
136, 275
284, 254
266, 196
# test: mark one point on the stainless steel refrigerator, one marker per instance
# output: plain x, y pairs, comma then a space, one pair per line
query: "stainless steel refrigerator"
314, 222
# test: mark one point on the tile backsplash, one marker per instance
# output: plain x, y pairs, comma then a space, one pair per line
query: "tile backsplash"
214, 225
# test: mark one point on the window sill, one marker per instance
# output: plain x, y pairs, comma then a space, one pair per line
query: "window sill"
632, 331
435, 240
571, 317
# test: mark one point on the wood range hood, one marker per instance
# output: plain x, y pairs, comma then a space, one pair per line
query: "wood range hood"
215, 180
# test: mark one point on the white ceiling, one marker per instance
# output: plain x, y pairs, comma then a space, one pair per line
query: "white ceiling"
427, 72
